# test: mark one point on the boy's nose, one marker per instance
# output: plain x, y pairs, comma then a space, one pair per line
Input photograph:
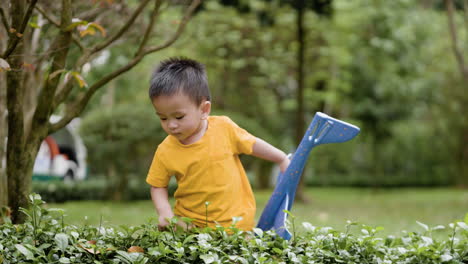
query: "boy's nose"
172, 124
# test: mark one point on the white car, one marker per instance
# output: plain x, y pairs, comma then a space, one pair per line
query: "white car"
62, 155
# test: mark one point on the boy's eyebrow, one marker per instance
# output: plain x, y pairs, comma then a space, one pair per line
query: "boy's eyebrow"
175, 113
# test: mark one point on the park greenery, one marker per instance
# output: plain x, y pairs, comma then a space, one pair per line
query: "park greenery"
395, 209
376, 64
395, 68
46, 238
46, 50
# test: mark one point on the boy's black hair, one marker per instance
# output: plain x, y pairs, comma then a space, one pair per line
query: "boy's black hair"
179, 74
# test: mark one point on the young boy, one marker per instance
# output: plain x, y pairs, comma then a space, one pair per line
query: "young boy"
201, 151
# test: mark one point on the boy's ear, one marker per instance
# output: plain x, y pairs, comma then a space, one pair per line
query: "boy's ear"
206, 109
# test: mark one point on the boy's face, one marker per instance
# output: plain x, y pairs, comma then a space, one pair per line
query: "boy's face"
180, 116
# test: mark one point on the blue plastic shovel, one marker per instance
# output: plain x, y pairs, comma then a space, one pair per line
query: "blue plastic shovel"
322, 130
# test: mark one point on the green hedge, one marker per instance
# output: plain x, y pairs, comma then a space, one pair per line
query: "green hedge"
404, 161
96, 189
45, 238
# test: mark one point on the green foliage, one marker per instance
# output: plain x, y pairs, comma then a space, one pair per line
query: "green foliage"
321, 7
409, 160
58, 191
97, 189
394, 91
383, 62
121, 141
376, 62
121, 135
45, 238
247, 65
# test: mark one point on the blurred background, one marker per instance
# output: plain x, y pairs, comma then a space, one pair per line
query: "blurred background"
393, 68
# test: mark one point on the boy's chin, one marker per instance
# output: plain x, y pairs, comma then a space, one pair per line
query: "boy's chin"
180, 137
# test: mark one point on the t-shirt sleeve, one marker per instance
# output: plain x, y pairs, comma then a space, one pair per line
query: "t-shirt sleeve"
241, 140
158, 175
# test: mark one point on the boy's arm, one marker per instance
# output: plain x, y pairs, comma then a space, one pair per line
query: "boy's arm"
264, 150
160, 199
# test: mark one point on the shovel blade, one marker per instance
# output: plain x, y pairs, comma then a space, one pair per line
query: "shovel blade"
331, 130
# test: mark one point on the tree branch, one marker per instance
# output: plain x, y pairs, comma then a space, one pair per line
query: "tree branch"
453, 36
180, 29
63, 91
24, 23
4, 20
57, 24
465, 10
76, 108
73, 110
49, 18
27, 16
149, 29
92, 14
124, 28
44, 108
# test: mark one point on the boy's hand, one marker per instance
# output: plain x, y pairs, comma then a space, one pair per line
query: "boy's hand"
164, 221
284, 164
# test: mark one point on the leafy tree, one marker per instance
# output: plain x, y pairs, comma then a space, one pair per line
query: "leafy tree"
376, 59
47, 47
267, 15
320, 7
248, 67
459, 123
383, 66
118, 140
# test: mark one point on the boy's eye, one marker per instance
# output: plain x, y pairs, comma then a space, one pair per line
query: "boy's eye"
179, 117
163, 118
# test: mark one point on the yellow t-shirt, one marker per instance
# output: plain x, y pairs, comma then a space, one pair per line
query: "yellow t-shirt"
208, 170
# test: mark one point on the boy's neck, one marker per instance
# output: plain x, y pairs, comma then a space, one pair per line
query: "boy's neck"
198, 133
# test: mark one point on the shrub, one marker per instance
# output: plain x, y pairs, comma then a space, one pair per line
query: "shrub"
96, 189
45, 238
121, 141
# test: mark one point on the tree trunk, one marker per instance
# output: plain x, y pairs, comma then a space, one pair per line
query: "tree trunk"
25, 133
300, 122
117, 184
16, 160
3, 136
19, 180
264, 169
379, 172
426, 4
22, 146
122, 185
3, 123
461, 155
457, 52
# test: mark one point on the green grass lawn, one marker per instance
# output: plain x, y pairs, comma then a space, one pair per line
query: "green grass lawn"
393, 209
